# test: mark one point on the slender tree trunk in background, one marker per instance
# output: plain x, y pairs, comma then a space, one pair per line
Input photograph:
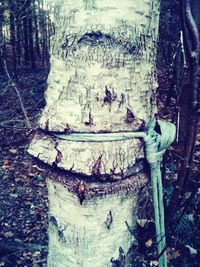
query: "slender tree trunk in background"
19, 33
25, 33
192, 48
18, 42
13, 35
43, 30
36, 26
48, 33
30, 33
101, 80
1, 35
48, 27
195, 6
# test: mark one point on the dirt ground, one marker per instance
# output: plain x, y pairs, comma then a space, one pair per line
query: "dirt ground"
23, 197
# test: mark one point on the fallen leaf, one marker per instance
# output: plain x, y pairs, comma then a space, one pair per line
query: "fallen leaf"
153, 263
5, 165
27, 254
40, 178
14, 195
191, 217
176, 254
24, 177
36, 253
149, 243
40, 184
13, 151
6, 162
192, 250
8, 234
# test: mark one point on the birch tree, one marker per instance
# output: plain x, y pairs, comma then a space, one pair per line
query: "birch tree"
101, 81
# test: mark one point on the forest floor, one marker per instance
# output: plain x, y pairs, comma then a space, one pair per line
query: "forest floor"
23, 197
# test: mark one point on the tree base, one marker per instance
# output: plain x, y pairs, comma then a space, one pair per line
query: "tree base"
91, 229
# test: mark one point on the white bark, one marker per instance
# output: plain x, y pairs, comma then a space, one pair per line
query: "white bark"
89, 234
121, 59
118, 159
101, 80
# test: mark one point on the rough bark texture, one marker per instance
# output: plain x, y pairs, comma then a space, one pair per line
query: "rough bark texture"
90, 225
90, 234
118, 159
102, 65
101, 80
102, 76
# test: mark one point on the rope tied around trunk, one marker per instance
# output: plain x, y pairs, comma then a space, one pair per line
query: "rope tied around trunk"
157, 139
156, 143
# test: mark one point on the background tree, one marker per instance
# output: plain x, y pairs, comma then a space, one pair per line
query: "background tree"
25, 31
1, 35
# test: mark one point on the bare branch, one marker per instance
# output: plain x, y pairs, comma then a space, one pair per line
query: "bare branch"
28, 123
191, 38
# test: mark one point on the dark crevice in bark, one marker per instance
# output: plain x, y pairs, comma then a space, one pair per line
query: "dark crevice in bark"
59, 154
81, 190
109, 220
120, 262
139, 167
92, 185
54, 224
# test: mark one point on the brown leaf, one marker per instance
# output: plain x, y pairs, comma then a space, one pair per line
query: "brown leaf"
5, 165
177, 254
6, 162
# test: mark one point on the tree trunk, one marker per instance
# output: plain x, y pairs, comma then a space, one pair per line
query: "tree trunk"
13, 35
19, 32
30, 33
195, 6
101, 81
43, 31
18, 48
25, 30
37, 45
1, 36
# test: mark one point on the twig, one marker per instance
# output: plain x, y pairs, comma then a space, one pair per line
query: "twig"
28, 123
17, 247
177, 222
191, 37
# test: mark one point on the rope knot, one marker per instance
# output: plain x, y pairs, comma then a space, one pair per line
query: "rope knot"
159, 137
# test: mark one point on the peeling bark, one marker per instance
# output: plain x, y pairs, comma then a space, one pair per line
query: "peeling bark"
118, 159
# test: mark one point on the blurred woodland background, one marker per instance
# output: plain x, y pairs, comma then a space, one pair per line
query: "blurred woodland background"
26, 27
